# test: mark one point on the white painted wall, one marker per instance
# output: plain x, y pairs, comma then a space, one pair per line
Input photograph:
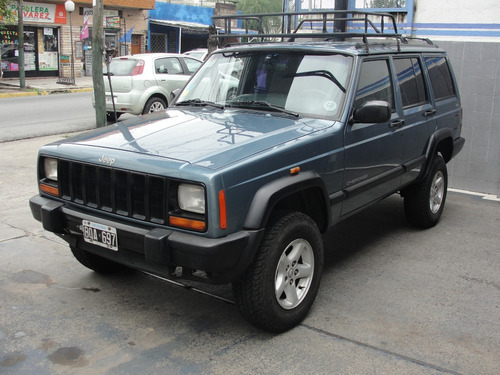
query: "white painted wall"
457, 11
464, 20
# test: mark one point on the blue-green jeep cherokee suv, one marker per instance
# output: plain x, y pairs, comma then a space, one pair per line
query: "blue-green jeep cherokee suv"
267, 146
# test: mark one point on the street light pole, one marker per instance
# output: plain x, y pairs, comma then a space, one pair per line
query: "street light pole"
70, 7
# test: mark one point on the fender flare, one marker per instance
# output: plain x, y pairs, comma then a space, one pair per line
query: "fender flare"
432, 145
266, 198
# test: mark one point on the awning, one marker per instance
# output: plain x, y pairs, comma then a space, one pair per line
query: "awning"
191, 26
198, 27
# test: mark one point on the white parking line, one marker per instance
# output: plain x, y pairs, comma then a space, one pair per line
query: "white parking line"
488, 197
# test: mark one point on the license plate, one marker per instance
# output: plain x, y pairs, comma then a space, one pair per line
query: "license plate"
100, 235
108, 99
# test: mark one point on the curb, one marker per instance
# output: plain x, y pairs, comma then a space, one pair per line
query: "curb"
45, 92
18, 94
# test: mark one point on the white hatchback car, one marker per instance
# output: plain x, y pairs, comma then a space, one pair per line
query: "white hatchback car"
198, 53
144, 83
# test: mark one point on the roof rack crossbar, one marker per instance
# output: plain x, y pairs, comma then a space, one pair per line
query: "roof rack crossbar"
385, 24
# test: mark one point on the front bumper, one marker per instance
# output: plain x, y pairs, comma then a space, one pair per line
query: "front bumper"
156, 250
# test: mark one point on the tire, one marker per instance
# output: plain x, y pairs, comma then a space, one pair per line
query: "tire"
154, 104
424, 202
278, 290
95, 262
110, 116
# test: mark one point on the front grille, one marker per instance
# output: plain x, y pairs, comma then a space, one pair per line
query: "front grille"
131, 194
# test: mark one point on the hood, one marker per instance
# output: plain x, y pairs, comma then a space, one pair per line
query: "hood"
201, 137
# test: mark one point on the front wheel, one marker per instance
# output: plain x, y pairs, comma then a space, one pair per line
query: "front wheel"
95, 262
278, 290
154, 105
424, 202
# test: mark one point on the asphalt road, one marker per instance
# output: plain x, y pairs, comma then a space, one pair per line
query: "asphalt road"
34, 116
393, 300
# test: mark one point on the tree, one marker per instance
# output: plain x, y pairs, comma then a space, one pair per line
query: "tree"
6, 12
8, 15
262, 6
97, 78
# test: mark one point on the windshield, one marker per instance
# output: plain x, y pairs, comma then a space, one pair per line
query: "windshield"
294, 82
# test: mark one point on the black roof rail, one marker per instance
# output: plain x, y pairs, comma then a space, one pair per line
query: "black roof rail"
406, 39
361, 24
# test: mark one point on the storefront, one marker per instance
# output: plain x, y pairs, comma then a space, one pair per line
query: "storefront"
41, 56
112, 29
41, 41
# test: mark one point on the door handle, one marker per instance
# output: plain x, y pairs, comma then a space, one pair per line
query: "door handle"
397, 124
430, 113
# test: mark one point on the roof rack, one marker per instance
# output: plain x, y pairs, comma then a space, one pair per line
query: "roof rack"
358, 24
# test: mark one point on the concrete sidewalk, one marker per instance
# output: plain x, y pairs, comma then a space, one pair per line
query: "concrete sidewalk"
10, 87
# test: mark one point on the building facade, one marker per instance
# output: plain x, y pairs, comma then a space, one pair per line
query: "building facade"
176, 26
470, 32
47, 35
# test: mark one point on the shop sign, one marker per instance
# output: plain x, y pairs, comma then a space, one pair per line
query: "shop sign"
40, 12
110, 18
64, 60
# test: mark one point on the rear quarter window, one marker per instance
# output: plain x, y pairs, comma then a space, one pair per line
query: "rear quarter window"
122, 67
440, 75
192, 65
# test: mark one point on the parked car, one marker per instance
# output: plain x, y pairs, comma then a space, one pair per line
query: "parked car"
239, 179
144, 83
198, 53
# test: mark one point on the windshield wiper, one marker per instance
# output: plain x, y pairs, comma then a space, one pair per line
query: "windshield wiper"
262, 103
322, 73
199, 103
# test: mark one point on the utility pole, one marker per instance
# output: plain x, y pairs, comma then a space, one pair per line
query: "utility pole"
97, 77
20, 46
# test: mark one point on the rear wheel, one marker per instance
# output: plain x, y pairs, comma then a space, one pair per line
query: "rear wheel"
110, 116
278, 290
95, 262
154, 105
424, 202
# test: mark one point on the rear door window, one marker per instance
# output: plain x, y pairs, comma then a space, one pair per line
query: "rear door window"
169, 65
410, 81
440, 75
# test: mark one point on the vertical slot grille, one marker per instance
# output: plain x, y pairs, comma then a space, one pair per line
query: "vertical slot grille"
121, 192
157, 198
136, 195
105, 182
90, 185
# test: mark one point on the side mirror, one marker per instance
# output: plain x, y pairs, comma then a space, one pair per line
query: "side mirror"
373, 111
174, 94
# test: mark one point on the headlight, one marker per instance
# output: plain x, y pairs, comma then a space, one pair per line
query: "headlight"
50, 168
191, 198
